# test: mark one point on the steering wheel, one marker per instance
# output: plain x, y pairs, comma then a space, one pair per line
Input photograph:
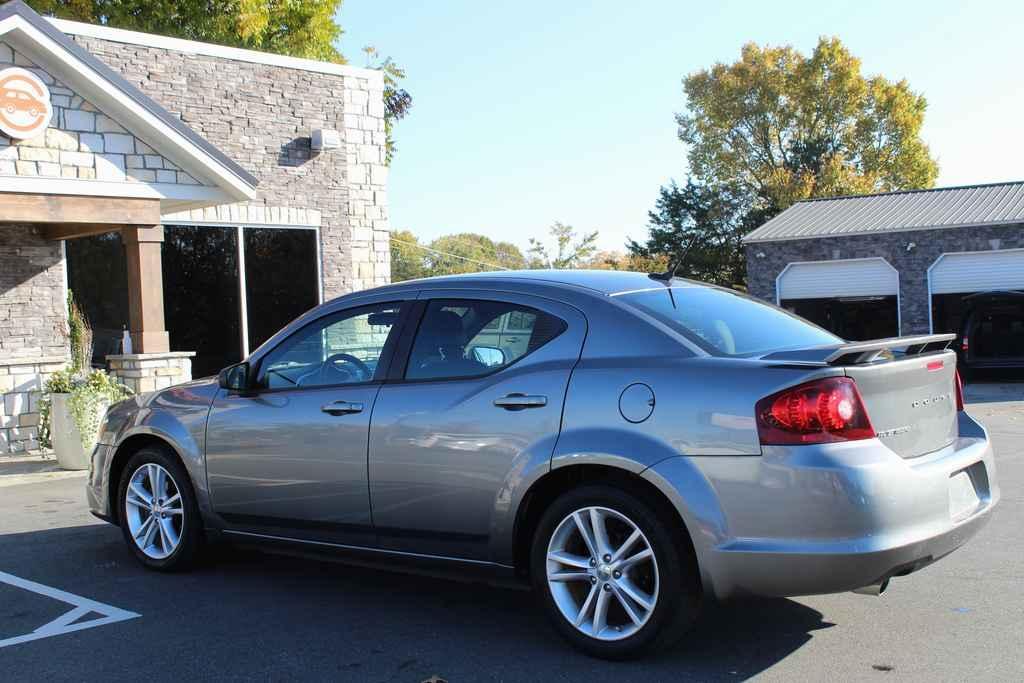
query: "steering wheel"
331, 363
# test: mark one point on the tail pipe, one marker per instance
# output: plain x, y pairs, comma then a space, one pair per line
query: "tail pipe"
873, 589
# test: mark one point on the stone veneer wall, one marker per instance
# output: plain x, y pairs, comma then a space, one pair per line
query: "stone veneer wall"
21, 383
81, 142
33, 318
262, 117
892, 246
142, 372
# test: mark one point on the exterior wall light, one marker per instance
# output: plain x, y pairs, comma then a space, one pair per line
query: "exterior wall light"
759, 254
323, 139
911, 246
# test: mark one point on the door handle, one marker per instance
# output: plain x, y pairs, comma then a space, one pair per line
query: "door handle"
342, 408
521, 401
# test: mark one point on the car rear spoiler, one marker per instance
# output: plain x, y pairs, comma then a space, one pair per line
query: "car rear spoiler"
859, 353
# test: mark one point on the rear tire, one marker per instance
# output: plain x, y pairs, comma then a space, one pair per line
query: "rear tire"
158, 512
635, 606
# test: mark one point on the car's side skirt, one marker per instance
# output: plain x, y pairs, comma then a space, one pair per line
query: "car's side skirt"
397, 560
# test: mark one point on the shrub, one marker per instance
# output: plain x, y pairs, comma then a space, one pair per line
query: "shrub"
89, 393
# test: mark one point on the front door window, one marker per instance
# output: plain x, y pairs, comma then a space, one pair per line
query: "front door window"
338, 349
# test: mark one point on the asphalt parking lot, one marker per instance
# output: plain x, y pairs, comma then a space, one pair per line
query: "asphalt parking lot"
246, 615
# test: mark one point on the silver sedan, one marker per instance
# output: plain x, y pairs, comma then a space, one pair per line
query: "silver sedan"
632, 445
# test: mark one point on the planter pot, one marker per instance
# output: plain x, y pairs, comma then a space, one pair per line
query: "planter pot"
67, 441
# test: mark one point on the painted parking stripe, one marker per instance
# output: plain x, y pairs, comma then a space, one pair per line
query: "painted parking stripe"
67, 622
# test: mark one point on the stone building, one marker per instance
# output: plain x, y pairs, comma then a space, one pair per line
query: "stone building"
195, 195
898, 263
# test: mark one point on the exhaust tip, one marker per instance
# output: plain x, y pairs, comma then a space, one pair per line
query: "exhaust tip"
872, 589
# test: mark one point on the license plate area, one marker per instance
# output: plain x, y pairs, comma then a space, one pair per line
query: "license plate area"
965, 494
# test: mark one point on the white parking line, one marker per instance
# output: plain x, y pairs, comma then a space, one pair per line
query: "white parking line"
67, 622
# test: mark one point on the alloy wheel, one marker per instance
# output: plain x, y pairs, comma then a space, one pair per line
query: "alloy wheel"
155, 511
602, 573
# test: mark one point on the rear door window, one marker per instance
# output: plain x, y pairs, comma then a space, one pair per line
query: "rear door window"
470, 338
726, 323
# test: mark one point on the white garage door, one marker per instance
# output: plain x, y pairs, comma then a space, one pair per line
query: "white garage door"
833, 279
978, 271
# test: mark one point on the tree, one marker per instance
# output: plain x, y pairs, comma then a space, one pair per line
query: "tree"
470, 253
407, 257
570, 251
701, 229
773, 128
301, 28
397, 101
780, 127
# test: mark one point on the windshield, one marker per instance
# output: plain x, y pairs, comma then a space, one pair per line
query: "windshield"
727, 323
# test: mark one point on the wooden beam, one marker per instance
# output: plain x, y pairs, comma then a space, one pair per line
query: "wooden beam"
142, 245
18, 207
70, 231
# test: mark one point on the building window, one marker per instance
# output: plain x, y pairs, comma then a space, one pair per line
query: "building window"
227, 289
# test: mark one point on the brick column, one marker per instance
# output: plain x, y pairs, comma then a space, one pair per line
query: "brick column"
142, 246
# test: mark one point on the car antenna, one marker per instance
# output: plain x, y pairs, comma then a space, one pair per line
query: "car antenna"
674, 266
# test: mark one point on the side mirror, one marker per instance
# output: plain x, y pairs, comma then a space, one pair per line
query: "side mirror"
491, 356
234, 377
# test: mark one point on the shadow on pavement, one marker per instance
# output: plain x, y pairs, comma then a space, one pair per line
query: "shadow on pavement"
279, 616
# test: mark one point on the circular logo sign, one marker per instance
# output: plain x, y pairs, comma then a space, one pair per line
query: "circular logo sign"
25, 109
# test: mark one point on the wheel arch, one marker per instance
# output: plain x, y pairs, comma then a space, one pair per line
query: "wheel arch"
124, 451
561, 479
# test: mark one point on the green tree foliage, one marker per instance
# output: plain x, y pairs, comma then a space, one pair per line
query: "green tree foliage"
781, 126
569, 252
770, 129
397, 101
408, 260
301, 28
706, 226
451, 254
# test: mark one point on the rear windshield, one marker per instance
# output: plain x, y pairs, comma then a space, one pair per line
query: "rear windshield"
726, 323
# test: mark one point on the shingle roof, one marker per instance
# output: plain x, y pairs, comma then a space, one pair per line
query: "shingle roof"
945, 207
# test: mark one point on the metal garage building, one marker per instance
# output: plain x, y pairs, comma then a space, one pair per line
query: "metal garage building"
897, 263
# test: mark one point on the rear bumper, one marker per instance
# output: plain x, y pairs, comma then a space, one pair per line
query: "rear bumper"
828, 519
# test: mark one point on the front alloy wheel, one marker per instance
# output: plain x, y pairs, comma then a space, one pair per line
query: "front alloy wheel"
602, 573
158, 512
155, 513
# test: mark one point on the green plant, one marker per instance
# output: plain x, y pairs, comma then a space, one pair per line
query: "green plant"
79, 336
89, 395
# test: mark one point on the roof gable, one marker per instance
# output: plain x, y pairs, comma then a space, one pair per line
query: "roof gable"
949, 207
91, 99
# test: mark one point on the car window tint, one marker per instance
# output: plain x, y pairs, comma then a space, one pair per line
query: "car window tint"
727, 323
472, 338
342, 348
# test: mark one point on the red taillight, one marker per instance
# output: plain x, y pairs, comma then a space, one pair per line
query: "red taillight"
822, 411
965, 345
959, 392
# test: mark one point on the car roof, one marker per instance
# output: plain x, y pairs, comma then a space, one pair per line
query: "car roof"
598, 281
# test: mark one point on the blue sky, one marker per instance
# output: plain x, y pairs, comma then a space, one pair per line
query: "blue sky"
531, 111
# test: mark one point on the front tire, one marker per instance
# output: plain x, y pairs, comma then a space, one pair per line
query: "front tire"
615, 579
158, 511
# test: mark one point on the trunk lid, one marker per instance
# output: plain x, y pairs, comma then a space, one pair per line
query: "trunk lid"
911, 402
908, 385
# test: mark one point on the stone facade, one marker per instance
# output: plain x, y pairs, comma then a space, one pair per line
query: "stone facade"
142, 372
262, 116
892, 246
21, 384
33, 308
81, 142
